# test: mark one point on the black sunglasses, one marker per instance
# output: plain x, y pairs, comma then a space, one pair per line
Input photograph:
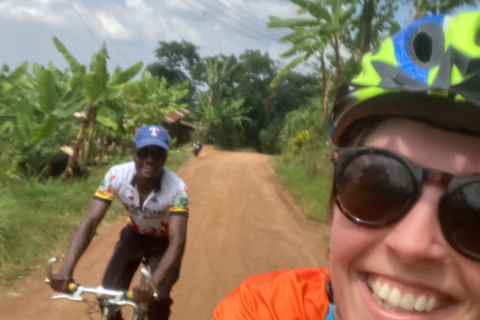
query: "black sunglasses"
156, 153
377, 187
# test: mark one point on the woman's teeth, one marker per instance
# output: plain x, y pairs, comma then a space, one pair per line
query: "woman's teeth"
392, 299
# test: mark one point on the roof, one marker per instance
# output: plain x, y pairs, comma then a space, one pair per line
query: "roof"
176, 115
187, 124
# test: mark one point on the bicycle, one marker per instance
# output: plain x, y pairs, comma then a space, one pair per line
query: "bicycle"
109, 300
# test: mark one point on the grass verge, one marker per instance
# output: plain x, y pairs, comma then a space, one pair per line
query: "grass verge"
310, 191
37, 220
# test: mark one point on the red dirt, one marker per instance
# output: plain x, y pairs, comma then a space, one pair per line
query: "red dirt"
241, 224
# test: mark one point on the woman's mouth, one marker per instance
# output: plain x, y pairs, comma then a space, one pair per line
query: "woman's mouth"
398, 297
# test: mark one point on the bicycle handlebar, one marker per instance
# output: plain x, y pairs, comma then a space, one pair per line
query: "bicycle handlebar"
113, 297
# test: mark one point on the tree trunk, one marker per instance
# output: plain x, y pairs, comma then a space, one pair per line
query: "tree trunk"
72, 160
367, 17
91, 130
336, 49
103, 146
326, 92
210, 98
322, 67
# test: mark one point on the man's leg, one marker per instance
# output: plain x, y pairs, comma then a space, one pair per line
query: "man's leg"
160, 309
122, 266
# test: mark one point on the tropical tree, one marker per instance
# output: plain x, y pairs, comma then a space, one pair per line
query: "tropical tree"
44, 101
326, 18
178, 62
149, 99
425, 7
217, 74
143, 101
223, 121
99, 90
251, 80
233, 116
376, 17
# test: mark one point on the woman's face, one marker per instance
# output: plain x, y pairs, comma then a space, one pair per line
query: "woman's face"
410, 261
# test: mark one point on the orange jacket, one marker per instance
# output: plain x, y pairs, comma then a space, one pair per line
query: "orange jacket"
283, 295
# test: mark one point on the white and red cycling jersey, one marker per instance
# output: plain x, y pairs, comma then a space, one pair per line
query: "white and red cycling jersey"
169, 198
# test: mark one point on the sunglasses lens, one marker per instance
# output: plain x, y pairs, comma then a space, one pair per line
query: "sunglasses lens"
375, 189
145, 153
142, 153
460, 219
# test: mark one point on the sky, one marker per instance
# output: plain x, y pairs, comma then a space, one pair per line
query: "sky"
133, 28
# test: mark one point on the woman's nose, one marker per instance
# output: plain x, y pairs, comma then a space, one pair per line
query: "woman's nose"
418, 236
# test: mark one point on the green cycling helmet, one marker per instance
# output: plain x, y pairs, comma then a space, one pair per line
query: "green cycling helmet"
429, 71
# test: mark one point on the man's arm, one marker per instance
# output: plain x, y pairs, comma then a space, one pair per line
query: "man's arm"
177, 236
79, 243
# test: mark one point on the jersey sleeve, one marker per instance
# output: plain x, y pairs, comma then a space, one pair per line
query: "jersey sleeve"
283, 295
179, 202
105, 191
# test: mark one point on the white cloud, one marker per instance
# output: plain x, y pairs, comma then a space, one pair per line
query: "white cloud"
136, 26
27, 11
140, 7
175, 4
112, 27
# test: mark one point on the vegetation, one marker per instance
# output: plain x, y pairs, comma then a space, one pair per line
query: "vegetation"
236, 102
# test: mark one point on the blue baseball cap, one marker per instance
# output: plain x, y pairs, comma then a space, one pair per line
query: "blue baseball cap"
152, 135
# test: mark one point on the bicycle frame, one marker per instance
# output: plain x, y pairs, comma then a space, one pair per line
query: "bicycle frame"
110, 300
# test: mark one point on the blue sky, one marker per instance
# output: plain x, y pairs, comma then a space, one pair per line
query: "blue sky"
132, 28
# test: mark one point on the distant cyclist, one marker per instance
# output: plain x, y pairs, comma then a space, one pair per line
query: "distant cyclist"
405, 202
197, 146
157, 201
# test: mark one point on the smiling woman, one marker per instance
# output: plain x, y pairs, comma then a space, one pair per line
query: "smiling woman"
405, 241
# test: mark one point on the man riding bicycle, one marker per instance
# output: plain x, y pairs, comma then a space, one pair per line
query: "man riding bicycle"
157, 201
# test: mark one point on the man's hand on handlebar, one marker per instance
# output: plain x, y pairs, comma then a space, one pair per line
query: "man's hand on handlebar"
142, 293
59, 282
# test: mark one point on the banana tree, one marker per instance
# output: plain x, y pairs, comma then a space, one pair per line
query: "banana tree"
327, 18
223, 121
144, 101
424, 7
99, 90
11, 84
43, 103
216, 75
376, 17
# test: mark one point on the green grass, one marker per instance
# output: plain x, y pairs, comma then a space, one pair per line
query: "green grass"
310, 191
37, 220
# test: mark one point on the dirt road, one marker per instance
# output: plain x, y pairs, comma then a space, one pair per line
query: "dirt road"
241, 224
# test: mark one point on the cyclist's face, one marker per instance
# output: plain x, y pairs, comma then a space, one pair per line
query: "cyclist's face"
409, 264
149, 161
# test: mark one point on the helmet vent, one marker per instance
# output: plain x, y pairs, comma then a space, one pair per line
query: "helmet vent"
422, 47
427, 45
